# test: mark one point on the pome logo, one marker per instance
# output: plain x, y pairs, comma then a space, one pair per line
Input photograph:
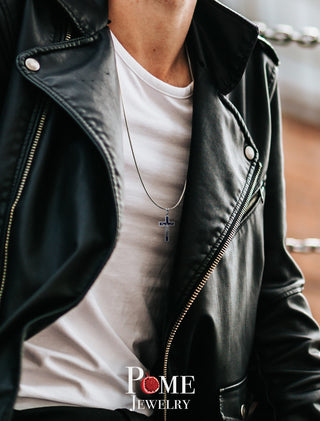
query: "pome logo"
150, 385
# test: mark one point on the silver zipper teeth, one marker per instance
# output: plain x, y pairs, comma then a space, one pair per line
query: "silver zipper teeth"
18, 197
22, 184
199, 288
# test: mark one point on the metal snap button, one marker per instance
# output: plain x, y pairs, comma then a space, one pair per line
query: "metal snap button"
243, 411
249, 152
32, 64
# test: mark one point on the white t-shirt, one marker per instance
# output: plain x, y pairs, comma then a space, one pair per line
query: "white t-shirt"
81, 359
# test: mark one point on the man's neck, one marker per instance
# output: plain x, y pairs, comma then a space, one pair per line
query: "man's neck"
154, 32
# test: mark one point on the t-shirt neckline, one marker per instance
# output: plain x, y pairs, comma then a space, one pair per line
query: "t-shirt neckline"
143, 74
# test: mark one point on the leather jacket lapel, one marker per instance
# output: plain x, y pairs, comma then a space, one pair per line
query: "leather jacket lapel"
218, 177
219, 173
86, 86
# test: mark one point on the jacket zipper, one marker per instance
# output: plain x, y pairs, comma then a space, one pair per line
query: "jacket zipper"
22, 184
257, 196
204, 279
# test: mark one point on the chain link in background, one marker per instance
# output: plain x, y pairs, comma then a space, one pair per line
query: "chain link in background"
308, 245
286, 34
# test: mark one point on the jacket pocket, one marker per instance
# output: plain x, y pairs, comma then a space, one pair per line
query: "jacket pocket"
233, 401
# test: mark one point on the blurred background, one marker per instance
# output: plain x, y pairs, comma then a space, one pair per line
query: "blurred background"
293, 28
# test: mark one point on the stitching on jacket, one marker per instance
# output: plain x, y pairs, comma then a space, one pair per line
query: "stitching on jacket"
90, 128
56, 47
289, 293
284, 295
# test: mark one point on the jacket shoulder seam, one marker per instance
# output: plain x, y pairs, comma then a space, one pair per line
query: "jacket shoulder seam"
269, 50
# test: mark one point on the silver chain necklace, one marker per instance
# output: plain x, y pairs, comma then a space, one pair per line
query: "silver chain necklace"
167, 223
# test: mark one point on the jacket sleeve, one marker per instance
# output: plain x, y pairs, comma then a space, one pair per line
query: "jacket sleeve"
287, 337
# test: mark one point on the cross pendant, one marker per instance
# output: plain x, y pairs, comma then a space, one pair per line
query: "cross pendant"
166, 224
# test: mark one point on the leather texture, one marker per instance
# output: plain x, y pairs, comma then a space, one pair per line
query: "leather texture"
236, 318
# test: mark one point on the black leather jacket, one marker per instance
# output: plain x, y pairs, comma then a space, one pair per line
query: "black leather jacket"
236, 318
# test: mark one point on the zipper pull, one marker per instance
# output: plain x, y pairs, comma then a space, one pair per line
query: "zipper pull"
262, 192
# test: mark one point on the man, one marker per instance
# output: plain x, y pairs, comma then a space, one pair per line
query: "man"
194, 293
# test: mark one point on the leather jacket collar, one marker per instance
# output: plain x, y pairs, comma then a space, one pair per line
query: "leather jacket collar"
227, 38
93, 20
